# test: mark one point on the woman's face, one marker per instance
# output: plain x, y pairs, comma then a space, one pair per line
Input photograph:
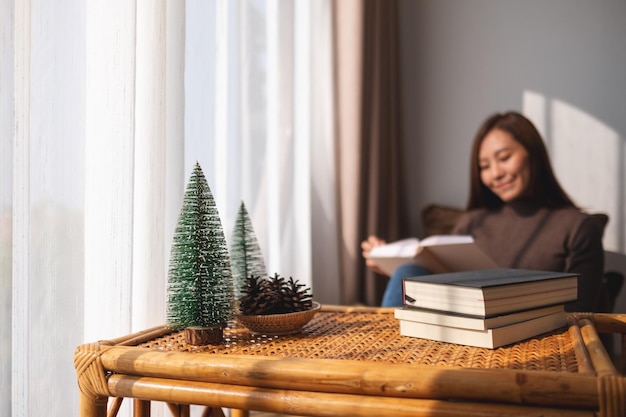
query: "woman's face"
504, 167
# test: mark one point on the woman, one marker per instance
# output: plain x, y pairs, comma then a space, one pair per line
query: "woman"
519, 215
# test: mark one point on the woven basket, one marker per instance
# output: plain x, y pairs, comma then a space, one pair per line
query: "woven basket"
279, 324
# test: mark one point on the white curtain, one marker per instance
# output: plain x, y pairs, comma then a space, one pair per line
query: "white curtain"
105, 106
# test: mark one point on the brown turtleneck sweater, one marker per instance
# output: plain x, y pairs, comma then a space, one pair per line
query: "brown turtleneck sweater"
520, 235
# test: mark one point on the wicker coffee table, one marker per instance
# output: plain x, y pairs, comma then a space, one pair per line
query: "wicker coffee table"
353, 362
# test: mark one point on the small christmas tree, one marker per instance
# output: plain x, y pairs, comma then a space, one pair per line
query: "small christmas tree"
200, 288
245, 253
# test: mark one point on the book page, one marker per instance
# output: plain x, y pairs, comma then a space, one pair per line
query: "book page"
446, 240
405, 248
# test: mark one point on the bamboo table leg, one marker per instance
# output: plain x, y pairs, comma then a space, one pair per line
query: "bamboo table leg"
142, 408
114, 408
94, 395
179, 410
239, 413
90, 408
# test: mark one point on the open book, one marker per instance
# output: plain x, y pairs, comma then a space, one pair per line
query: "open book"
438, 254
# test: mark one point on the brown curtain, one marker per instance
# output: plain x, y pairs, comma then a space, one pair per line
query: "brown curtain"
368, 132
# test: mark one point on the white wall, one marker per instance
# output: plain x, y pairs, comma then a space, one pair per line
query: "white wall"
561, 62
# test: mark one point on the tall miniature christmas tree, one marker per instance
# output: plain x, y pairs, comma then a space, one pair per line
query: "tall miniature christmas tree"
200, 287
245, 252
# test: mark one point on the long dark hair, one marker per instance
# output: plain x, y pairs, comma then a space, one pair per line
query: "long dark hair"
543, 187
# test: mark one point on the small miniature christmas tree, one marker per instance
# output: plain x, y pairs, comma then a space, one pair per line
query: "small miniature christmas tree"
200, 287
245, 253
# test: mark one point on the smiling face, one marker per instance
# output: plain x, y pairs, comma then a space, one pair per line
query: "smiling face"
504, 166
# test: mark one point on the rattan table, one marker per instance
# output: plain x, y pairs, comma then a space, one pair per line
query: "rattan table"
353, 362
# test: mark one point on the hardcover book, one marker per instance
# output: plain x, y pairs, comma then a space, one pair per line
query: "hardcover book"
490, 292
443, 318
438, 254
490, 338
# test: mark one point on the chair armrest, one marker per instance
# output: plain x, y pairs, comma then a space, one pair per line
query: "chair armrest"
610, 323
615, 324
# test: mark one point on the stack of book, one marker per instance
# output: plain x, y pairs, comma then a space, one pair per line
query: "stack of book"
485, 308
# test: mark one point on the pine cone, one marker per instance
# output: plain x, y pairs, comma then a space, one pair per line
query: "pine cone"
258, 297
295, 297
274, 295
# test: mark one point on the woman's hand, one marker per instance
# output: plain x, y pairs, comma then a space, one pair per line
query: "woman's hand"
367, 246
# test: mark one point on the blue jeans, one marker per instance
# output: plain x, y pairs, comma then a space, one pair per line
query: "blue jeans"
393, 296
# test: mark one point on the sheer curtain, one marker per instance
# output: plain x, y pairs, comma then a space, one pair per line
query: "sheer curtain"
105, 107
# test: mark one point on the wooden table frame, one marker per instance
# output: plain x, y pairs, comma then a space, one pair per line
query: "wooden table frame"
322, 387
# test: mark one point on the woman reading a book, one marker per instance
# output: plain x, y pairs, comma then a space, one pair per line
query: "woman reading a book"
519, 215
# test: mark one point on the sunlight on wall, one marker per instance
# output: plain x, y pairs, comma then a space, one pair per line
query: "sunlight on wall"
588, 159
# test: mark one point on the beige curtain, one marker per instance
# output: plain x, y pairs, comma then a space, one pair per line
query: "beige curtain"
368, 132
